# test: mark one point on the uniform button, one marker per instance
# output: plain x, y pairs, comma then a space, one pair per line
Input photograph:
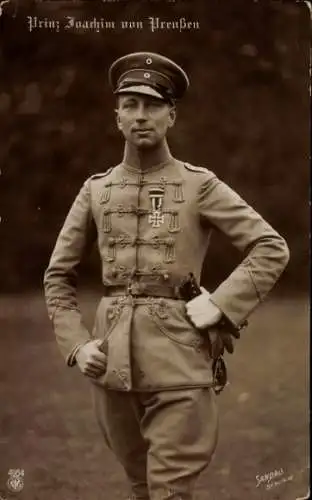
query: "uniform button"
123, 183
135, 288
132, 273
155, 242
120, 211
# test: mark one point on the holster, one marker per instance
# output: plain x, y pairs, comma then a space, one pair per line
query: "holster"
189, 289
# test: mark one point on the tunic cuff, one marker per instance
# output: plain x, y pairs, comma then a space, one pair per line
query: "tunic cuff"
71, 358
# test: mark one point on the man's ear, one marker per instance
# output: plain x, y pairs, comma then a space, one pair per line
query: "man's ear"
172, 116
117, 119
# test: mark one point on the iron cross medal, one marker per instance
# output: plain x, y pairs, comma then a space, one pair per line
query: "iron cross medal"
156, 196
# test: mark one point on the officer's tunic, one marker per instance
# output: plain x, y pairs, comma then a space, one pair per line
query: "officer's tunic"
152, 228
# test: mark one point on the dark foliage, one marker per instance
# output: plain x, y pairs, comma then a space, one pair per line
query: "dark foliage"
246, 117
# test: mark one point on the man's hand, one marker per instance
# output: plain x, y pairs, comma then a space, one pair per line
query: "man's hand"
91, 361
202, 312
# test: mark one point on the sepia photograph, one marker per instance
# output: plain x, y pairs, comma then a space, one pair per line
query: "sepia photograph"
154, 255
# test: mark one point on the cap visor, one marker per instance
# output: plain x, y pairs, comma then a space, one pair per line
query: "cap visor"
140, 89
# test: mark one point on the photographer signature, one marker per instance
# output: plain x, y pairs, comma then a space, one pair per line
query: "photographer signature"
275, 478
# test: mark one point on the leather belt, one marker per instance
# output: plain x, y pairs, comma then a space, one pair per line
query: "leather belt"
142, 290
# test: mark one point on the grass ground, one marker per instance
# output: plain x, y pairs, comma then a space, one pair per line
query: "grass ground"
48, 428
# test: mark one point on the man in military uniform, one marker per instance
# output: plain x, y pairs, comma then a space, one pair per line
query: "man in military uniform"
152, 216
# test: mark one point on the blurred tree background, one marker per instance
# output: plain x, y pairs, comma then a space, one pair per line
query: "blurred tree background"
246, 116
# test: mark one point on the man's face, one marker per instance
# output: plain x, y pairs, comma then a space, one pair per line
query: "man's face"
144, 120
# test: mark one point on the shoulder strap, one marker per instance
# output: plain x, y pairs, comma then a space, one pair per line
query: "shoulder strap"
192, 168
102, 174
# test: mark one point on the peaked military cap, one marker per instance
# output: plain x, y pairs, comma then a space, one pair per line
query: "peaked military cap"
149, 74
